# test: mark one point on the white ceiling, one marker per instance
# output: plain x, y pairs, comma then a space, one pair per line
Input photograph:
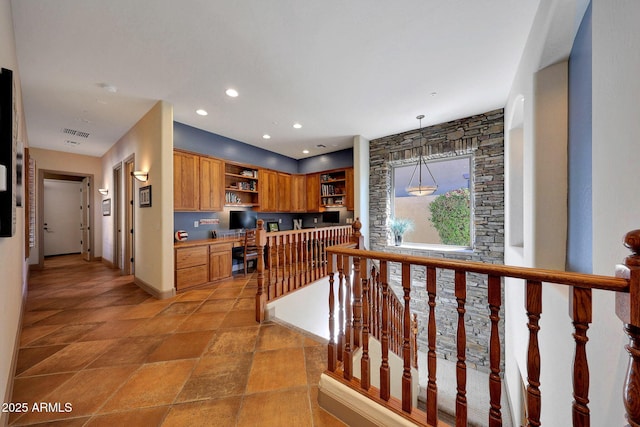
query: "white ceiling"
340, 68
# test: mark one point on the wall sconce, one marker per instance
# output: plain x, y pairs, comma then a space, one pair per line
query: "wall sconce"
103, 191
141, 176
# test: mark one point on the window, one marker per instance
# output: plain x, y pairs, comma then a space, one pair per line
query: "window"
443, 218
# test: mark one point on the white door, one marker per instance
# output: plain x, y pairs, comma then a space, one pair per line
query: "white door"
62, 227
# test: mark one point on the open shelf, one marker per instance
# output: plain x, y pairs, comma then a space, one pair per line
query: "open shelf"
241, 186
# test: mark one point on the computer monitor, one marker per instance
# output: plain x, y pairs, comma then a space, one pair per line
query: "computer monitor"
242, 219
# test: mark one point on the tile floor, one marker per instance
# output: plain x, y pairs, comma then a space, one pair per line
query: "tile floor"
94, 340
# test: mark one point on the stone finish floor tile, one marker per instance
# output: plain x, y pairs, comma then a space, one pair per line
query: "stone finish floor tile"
282, 408
186, 345
218, 412
145, 417
235, 340
152, 385
94, 339
277, 369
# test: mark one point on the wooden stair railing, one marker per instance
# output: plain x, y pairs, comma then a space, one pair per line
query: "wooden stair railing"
289, 260
373, 299
626, 284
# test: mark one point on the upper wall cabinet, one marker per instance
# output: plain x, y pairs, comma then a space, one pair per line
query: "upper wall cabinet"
241, 185
313, 192
298, 193
211, 187
284, 192
268, 191
186, 190
350, 199
203, 183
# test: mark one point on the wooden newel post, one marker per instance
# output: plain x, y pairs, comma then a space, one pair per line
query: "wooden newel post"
357, 236
628, 310
261, 297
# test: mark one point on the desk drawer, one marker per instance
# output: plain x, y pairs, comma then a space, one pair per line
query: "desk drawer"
221, 247
192, 276
190, 257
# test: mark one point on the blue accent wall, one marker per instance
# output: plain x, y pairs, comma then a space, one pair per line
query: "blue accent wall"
335, 160
211, 144
580, 227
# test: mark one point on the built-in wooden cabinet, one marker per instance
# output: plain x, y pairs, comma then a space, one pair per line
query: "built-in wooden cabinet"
192, 266
333, 189
283, 191
298, 193
350, 198
203, 183
186, 189
269, 191
220, 262
211, 184
313, 192
330, 189
241, 185
197, 263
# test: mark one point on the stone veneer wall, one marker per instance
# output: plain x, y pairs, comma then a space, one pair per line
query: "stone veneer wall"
481, 137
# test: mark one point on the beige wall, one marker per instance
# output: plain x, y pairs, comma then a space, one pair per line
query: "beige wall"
13, 266
75, 164
151, 142
615, 179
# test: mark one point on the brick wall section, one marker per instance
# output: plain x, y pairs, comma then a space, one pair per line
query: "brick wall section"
482, 137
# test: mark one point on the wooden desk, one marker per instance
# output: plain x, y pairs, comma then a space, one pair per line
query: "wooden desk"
202, 261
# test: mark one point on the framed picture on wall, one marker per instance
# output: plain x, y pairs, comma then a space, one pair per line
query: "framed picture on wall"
144, 197
106, 207
273, 226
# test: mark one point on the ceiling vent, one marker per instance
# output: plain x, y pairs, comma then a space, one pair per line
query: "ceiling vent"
74, 132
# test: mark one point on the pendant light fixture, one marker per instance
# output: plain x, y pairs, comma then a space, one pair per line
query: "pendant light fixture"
422, 189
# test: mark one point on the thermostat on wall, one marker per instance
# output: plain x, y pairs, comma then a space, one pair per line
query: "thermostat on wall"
3, 178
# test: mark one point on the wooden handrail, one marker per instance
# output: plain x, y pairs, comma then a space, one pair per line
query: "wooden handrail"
626, 284
589, 281
290, 260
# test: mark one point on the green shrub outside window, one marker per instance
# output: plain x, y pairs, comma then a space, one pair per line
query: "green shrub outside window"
450, 213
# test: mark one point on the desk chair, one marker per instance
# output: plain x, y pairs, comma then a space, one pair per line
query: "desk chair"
250, 250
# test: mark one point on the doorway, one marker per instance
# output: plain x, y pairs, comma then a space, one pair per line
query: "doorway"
62, 221
65, 216
117, 217
129, 253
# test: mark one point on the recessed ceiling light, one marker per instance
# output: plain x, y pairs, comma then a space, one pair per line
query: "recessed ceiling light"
305, 151
266, 136
231, 92
297, 125
201, 112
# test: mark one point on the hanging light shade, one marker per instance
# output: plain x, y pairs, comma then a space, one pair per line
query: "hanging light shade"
422, 188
